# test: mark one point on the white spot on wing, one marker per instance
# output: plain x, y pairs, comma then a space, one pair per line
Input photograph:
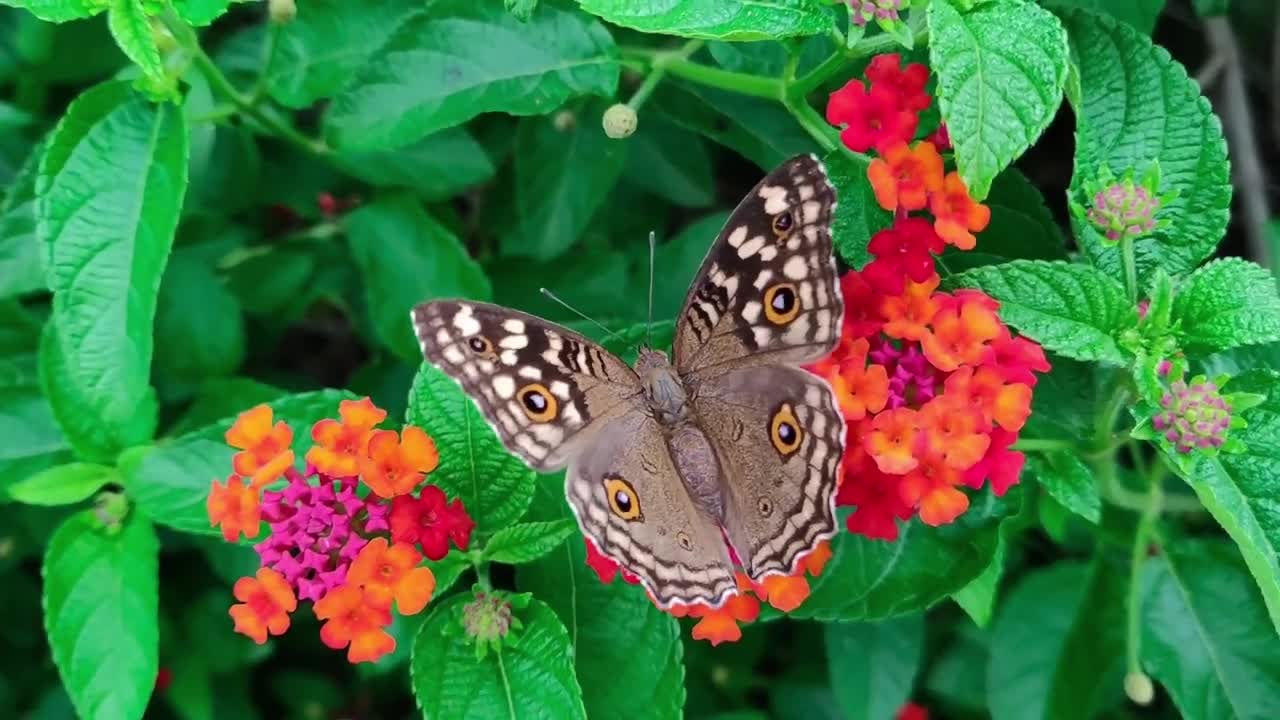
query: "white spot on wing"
530, 371
751, 247
514, 342
505, 386
513, 326
738, 235
775, 198
751, 311
795, 268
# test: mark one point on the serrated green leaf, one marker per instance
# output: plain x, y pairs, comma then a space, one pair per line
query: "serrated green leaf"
670, 162
406, 257
482, 59
170, 482
723, 20
758, 129
529, 678
85, 433
1141, 14
131, 28
61, 485
91, 629
563, 176
327, 43
21, 255
1073, 310
1205, 632
437, 166
1001, 67
494, 485
527, 541
872, 579
33, 439
858, 214
1137, 105
1239, 489
1227, 303
1069, 481
199, 325
611, 673
1057, 642
108, 200
58, 10
873, 665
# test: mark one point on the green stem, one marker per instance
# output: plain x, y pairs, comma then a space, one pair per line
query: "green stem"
223, 88
1130, 268
658, 70
1154, 503
1106, 421
482, 574
1043, 445
268, 54
814, 124
741, 83
841, 59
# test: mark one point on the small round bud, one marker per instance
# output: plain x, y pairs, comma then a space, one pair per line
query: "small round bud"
7, 545
620, 121
1139, 688
282, 11
564, 121
487, 618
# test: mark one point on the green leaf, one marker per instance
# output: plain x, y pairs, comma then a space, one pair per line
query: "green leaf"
1205, 632
1227, 303
563, 175
978, 598
170, 482
481, 59
219, 398
131, 28
873, 579
758, 129
1001, 67
406, 257
62, 485
1069, 481
528, 541
1134, 105
1021, 228
723, 20
1057, 639
58, 10
199, 326
676, 261
670, 162
494, 485
873, 665
1239, 489
1141, 14
108, 199
21, 255
858, 214
1073, 310
529, 678
437, 166
202, 12
327, 43
100, 611
646, 664
33, 440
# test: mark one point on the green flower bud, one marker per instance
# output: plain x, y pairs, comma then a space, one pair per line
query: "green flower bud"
620, 121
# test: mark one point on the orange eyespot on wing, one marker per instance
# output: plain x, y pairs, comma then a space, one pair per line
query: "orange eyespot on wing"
622, 498
781, 303
537, 402
785, 431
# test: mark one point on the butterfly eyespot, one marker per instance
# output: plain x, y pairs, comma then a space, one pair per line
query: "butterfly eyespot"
782, 224
781, 304
784, 431
682, 537
622, 498
538, 403
480, 345
765, 506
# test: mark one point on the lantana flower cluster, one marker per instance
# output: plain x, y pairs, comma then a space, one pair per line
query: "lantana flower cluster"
933, 386
349, 533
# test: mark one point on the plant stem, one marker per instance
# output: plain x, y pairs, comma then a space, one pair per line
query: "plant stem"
742, 83
482, 575
223, 88
1154, 502
842, 58
1130, 268
1043, 445
268, 54
658, 70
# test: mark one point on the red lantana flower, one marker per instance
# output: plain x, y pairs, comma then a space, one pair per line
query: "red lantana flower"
431, 522
903, 251
872, 119
886, 72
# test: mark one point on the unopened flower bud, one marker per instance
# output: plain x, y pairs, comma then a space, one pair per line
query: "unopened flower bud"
620, 121
487, 618
282, 11
1139, 688
1193, 416
860, 11
1124, 209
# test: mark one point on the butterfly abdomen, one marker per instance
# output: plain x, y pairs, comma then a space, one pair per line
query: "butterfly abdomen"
696, 463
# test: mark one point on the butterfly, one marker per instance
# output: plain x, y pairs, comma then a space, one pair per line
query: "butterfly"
674, 462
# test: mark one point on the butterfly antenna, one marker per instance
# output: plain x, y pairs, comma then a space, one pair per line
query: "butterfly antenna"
648, 325
579, 313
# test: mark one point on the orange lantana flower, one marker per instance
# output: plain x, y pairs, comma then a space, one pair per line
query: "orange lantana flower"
340, 444
907, 315
956, 215
788, 592
234, 507
395, 464
264, 448
859, 389
904, 177
961, 335
891, 440
265, 603
721, 624
1006, 404
954, 430
932, 487
392, 573
352, 620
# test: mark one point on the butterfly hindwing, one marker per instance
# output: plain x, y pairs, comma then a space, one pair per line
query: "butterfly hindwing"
542, 387
767, 292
